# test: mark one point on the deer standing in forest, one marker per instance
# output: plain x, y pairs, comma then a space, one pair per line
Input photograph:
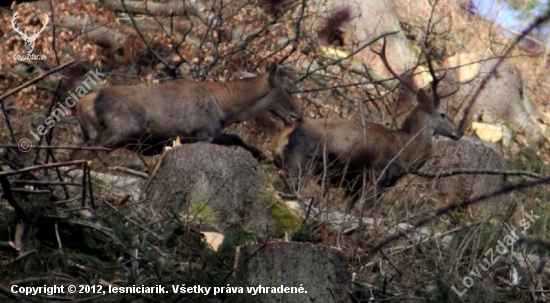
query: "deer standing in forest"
145, 118
350, 152
350, 149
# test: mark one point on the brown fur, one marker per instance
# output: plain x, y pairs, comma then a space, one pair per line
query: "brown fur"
381, 152
279, 141
85, 113
145, 118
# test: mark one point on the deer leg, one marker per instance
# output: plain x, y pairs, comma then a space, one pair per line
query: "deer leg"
88, 140
231, 139
300, 162
354, 189
101, 155
297, 168
85, 135
392, 173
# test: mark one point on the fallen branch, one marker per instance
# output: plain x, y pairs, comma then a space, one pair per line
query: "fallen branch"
91, 190
45, 182
33, 81
468, 171
37, 167
5, 289
97, 33
59, 244
174, 8
150, 178
8, 195
56, 147
130, 172
8, 123
85, 170
21, 256
18, 237
67, 201
30, 191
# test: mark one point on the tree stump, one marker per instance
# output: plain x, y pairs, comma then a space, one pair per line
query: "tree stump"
217, 184
321, 270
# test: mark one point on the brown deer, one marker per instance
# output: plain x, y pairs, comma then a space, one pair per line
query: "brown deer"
145, 118
350, 149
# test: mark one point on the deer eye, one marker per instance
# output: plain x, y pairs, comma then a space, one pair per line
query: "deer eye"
442, 115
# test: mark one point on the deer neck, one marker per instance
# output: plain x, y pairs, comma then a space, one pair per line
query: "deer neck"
241, 100
417, 135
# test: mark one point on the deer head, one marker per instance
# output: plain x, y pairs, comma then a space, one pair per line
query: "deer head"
29, 40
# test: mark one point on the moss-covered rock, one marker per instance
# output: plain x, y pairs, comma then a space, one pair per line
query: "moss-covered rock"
222, 186
285, 218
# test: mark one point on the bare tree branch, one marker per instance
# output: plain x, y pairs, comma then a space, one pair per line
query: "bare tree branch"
537, 23
33, 81
37, 167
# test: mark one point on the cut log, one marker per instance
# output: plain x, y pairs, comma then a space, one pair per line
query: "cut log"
321, 270
174, 8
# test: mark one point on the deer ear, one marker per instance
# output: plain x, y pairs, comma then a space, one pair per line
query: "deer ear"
423, 99
273, 70
273, 75
276, 75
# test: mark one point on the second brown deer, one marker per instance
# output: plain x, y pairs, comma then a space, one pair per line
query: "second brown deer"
145, 118
348, 150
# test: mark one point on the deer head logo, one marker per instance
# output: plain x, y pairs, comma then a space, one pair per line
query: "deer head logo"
29, 40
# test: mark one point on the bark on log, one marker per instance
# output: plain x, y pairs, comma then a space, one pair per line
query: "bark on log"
322, 271
97, 33
132, 47
174, 8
